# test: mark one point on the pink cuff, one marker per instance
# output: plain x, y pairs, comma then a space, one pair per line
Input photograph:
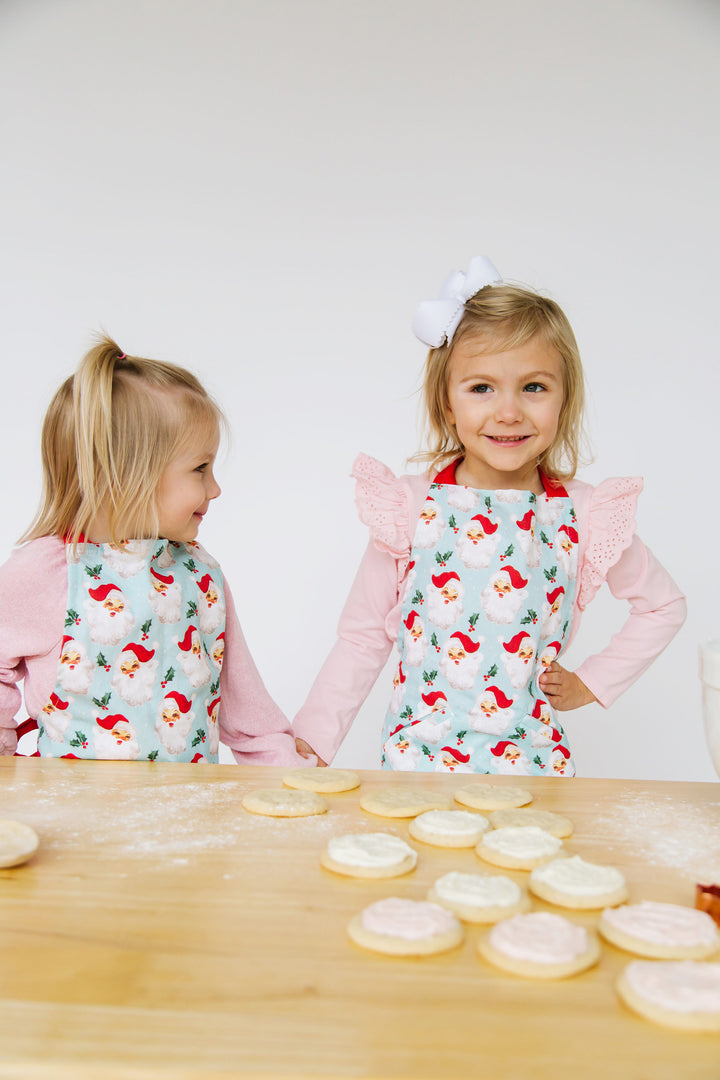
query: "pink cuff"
383, 503
611, 526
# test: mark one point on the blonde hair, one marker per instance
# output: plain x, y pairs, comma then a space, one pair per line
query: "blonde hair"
108, 435
508, 316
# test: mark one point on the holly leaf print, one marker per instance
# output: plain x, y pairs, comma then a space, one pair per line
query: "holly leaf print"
492, 672
531, 617
190, 565
441, 557
406, 714
102, 703
146, 626
199, 737
80, 741
418, 598
429, 677
461, 735
72, 618
94, 571
191, 610
152, 756
434, 639
426, 750
518, 733
538, 761
101, 661
488, 504
551, 574
214, 687
545, 539
473, 619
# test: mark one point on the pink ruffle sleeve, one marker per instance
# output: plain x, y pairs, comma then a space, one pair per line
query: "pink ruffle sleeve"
611, 527
611, 553
383, 503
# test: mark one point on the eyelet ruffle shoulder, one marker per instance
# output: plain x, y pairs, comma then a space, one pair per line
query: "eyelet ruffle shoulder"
611, 527
383, 501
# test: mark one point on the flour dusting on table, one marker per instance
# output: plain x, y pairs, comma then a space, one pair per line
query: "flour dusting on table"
664, 831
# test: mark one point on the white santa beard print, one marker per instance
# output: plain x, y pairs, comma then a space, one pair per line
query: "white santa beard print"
210, 616
77, 680
462, 498
454, 766
519, 766
56, 724
213, 736
107, 746
461, 674
402, 760
138, 689
431, 731
415, 649
167, 607
441, 612
174, 738
567, 560
196, 668
492, 724
519, 671
129, 561
427, 533
549, 621
475, 556
501, 608
107, 629
530, 549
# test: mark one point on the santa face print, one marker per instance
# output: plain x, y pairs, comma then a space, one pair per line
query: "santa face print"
505, 407
186, 489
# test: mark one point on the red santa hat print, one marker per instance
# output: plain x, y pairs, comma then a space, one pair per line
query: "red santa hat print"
204, 583
453, 752
501, 700
516, 579
412, 616
570, 532
467, 643
488, 527
526, 523
441, 580
109, 722
555, 595
433, 698
180, 700
187, 642
102, 592
139, 652
514, 644
166, 579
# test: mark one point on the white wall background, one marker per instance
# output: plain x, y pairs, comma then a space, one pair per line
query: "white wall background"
263, 192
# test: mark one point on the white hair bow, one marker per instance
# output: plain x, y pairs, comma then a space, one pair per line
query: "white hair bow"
436, 321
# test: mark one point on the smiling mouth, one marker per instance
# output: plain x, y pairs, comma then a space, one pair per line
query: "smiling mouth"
508, 438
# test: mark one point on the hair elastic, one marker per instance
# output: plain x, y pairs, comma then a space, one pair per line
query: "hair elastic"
122, 356
437, 320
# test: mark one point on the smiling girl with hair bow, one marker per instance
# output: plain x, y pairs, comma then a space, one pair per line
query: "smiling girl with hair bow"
120, 624
481, 568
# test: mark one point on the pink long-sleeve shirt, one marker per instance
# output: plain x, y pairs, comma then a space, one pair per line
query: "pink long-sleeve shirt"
608, 552
33, 602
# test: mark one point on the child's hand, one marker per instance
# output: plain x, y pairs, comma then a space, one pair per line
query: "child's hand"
305, 750
563, 689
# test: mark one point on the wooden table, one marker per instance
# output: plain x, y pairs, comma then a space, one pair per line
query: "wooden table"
162, 931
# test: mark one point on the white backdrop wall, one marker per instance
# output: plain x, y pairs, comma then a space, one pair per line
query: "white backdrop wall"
263, 192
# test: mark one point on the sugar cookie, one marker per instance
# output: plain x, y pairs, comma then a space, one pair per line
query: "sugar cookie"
448, 828
661, 931
406, 928
479, 898
492, 796
518, 847
540, 945
326, 781
282, 802
402, 801
678, 993
369, 855
544, 819
18, 842
574, 883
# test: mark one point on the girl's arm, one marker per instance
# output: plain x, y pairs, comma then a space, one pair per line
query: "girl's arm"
250, 722
33, 593
366, 632
657, 611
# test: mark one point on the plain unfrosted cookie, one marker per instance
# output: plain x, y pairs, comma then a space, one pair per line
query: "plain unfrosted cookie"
448, 828
406, 928
369, 855
283, 802
326, 781
18, 842
574, 883
661, 931
518, 847
479, 898
544, 819
492, 796
677, 993
540, 945
402, 802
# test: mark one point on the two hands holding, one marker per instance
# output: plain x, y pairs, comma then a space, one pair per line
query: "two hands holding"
563, 689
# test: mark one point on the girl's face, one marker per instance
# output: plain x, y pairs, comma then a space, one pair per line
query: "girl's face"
185, 490
505, 407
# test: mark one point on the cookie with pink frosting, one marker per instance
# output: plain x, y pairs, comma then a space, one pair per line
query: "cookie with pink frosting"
406, 928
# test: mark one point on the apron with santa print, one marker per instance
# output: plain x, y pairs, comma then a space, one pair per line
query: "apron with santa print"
487, 606
139, 668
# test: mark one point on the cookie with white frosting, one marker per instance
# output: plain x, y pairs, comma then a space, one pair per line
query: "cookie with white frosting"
540, 945
518, 847
574, 883
283, 802
661, 931
369, 855
402, 802
492, 796
449, 828
406, 928
544, 819
479, 898
325, 781
677, 993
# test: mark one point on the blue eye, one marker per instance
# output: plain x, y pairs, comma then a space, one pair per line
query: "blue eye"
534, 387
480, 388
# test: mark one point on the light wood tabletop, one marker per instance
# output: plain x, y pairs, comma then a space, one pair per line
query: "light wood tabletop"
163, 931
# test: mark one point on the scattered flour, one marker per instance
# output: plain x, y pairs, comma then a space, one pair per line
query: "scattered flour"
665, 832
176, 819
